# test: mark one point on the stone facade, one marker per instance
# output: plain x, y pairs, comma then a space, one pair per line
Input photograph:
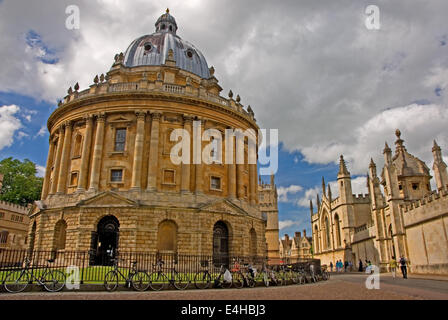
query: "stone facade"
13, 224
110, 183
296, 248
268, 202
407, 219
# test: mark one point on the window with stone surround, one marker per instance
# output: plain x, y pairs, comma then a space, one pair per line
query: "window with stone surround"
120, 139
74, 179
60, 232
2, 215
116, 175
4, 236
215, 183
77, 146
169, 176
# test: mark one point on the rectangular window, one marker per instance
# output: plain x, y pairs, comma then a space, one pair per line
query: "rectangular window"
120, 139
116, 175
74, 179
168, 177
2, 215
215, 183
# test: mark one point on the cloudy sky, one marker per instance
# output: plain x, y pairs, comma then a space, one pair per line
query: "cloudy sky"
312, 69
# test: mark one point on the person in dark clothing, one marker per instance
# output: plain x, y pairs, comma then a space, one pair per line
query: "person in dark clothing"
345, 266
360, 266
403, 267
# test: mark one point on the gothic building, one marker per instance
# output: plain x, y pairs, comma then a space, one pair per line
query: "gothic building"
110, 183
400, 215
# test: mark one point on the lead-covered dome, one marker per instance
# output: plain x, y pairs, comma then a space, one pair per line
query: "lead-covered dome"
152, 50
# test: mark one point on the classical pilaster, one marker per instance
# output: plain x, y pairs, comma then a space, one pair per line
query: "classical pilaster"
138, 151
57, 163
186, 172
231, 171
153, 152
240, 166
253, 183
199, 171
50, 160
63, 172
85, 157
97, 153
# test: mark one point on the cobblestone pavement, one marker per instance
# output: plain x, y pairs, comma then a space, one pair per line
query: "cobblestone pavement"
339, 287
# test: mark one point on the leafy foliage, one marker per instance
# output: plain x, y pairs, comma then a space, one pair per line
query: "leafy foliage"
20, 183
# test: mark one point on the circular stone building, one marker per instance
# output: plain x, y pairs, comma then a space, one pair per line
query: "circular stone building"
110, 183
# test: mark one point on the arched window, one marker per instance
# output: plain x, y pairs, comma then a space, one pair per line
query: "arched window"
338, 230
167, 236
253, 242
327, 233
316, 239
60, 230
78, 146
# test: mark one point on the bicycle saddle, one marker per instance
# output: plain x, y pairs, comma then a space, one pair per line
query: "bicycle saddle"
50, 260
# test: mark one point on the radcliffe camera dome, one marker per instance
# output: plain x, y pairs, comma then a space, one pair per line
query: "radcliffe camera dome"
152, 50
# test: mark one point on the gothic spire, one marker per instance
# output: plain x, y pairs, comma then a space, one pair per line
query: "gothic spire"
342, 167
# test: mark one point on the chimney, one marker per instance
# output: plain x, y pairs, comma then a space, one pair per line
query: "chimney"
304, 233
298, 235
286, 237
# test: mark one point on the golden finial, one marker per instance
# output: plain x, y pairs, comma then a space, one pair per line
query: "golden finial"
398, 133
167, 10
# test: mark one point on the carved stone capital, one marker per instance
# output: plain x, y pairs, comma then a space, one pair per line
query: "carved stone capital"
140, 115
187, 118
156, 115
101, 117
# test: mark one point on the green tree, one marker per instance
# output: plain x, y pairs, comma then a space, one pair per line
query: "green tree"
20, 183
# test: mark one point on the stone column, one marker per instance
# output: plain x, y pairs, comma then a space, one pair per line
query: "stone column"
50, 160
240, 167
57, 163
97, 153
253, 184
85, 157
153, 152
199, 173
63, 172
186, 172
138, 152
231, 172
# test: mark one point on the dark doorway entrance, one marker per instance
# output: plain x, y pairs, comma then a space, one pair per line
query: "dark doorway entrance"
104, 242
220, 244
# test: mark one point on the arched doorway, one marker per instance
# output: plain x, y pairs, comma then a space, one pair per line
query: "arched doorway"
60, 235
104, 241
338, 230
220, 244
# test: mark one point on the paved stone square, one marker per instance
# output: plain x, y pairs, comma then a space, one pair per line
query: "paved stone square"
339, 287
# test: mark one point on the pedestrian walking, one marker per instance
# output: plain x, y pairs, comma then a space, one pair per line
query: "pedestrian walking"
393, 266
331, 266
360, 266
350, 265
403, 267
345, 266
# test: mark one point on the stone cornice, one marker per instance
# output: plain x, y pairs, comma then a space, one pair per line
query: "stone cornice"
169, 97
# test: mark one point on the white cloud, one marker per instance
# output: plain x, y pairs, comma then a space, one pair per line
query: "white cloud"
310, 194
287, 223
9, 124
284, 191
42, 131
40, 171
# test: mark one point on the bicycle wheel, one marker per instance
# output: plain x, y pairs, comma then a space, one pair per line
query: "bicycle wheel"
16, 281
157, 281
53, 280
140, 281
238, 280
302, 278
181, 281
250, 281
111, 281
225, 284
295, 277
202, 280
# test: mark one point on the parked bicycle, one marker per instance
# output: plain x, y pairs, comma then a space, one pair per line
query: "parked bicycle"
158, 279
138, 279
203, 278
51, 279
243, 276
